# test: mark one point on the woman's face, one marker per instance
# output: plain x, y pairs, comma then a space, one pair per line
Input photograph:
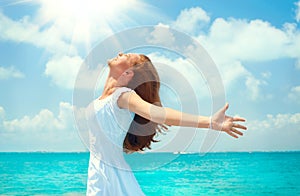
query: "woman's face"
123, 61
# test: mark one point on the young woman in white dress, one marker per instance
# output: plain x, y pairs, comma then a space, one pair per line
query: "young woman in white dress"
127, 116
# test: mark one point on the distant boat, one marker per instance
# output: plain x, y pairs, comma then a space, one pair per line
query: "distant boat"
181, 152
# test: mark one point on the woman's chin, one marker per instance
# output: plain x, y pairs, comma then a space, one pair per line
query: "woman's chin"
109, 62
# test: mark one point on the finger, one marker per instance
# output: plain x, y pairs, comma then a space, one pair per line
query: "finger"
226, 107
231, 134
236, 131
239, 126
239, 119
164, 127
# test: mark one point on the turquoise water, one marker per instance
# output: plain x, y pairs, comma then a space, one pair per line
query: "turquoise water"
188, 174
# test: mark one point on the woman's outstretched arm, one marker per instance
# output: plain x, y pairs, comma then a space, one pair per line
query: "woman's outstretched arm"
162, 115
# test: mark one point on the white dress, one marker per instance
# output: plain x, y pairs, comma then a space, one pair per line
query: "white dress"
108, 172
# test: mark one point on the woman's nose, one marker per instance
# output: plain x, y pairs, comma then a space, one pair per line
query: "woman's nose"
120, 53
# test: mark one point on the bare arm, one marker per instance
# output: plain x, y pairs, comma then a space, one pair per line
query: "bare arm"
162, 115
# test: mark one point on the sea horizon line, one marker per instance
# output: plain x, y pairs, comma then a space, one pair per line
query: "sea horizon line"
171, 152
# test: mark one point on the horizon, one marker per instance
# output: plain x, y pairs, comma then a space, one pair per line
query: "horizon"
175, 152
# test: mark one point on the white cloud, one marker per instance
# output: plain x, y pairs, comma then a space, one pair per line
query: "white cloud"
266, 74
161, 35
278, 132
297, 17
10, 72
277, 122
44, 131
231, 42
2, 112
26, 31
63, 70
173, 70
232, 71
44, 121
294, 94
253, 86
254, 40
191, 20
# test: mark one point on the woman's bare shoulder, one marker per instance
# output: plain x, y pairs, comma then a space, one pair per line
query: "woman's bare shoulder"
127, 97
131, 100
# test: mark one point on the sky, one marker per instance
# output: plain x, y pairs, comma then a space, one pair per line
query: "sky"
254, 44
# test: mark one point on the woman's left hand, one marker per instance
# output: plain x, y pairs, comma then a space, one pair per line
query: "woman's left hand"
221, 122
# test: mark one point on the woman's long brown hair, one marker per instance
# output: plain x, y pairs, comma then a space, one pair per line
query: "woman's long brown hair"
146, 84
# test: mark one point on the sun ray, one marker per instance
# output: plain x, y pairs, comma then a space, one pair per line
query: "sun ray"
83, 22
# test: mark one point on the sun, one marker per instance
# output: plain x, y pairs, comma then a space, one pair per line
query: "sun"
84, 21
80, 23
80, 8
89, 16
86, 9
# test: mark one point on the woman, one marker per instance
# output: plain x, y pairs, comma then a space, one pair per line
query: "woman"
126, 118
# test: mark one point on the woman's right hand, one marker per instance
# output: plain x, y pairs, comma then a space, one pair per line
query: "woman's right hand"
221, 122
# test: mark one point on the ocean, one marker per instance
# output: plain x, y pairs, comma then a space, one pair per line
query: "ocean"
257, 173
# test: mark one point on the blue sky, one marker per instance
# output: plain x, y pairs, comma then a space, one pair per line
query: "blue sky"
255, 45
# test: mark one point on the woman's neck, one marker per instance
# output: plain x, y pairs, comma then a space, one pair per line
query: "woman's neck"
110, 85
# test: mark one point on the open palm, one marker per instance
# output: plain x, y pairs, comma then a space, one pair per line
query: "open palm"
221, 122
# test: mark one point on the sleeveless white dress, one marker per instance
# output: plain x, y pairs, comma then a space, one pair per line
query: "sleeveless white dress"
108, 172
